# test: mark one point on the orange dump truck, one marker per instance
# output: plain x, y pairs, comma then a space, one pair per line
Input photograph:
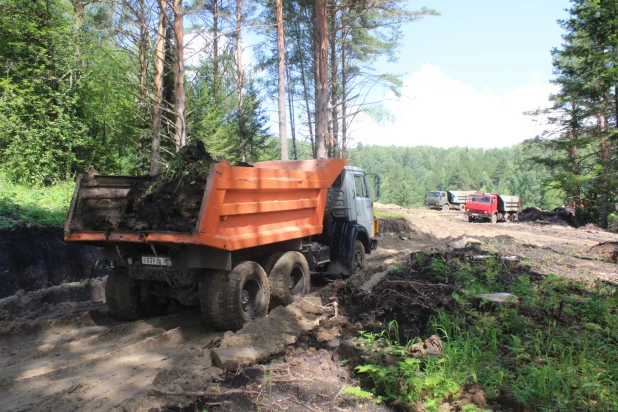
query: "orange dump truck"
260, 234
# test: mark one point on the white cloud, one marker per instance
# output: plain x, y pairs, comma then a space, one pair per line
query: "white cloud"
438, 110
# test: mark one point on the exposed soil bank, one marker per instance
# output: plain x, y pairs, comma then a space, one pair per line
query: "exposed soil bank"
33, 257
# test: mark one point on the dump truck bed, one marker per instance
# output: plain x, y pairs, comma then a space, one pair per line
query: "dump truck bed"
509, 203
242, 207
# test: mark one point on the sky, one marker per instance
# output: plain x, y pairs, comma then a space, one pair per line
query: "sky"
469, 75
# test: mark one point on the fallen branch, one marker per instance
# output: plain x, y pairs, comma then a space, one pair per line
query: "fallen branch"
201, 394
324, 308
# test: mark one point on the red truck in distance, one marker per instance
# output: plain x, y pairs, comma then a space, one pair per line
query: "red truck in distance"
493, 208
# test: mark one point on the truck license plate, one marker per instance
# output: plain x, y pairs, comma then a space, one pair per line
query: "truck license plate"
153, 260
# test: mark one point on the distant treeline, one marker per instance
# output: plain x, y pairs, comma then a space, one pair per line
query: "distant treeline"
408, 173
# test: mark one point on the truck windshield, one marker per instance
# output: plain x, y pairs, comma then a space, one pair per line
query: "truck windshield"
433, 194
480, 199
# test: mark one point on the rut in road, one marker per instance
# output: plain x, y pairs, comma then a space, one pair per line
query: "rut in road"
76, 357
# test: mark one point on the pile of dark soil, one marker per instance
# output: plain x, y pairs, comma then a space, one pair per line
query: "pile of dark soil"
172, 200
393, 225
563, 216
33, 257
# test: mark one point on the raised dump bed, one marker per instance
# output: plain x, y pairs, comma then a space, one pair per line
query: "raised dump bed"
241, 207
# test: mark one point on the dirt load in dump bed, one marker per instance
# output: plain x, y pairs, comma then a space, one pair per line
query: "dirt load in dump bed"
168, 202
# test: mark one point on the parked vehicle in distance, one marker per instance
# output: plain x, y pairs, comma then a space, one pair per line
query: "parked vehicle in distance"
448, 199
493, 207
261, 232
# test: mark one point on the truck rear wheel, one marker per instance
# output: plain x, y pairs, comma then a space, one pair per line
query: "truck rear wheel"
462, 207
229, 300
289, 278
124, 300
494, 218
357, 264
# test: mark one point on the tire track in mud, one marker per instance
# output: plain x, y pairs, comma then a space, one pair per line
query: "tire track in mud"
74, 356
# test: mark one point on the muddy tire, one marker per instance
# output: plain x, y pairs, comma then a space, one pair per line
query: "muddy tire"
356, 266
462, 207
445, 207
470, 219
124, 299
289, 278
229, 300
494, 218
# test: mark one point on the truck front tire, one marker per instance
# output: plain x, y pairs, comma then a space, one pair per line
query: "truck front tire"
445, 207
494, 218
124, 300
356, 266
229, 300
289, 278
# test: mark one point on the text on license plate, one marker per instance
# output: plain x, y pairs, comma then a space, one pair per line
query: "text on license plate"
153, 260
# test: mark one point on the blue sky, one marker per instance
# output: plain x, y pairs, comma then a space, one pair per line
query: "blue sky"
489, 60
496, 43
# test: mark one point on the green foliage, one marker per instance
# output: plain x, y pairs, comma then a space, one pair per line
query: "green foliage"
409, 173
555, 350
26, 204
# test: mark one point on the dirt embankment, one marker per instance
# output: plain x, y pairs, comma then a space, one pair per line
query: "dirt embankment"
34, 257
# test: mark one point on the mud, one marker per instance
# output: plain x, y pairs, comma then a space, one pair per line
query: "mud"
394, 225
559, 216
34, 257
171, 201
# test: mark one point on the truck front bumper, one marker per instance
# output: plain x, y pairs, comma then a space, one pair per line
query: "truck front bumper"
479, 215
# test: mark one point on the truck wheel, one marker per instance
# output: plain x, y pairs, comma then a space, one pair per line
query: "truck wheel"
462, 207
470, 219
494, 218
289, 278
124, 299
445, 207
356, 266
229, 300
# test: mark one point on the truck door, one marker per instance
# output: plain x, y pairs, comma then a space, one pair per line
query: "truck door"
364, 204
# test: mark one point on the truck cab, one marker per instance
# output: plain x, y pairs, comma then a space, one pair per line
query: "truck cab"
493, 207
437, 200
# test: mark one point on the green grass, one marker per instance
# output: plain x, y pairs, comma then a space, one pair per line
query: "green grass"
555, 350
43, 205
387, 215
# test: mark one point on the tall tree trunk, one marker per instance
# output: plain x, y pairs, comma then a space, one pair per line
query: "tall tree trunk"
574, 153
159, 58
291, 106
143, 47
239, 82
344, 101
334, 82
215, 50
180, 133
283, 136
321, 78
305, 88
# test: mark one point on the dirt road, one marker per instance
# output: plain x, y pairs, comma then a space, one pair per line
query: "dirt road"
61, 351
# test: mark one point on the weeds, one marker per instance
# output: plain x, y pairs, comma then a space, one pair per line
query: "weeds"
44, 205
387, 215
555, 350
